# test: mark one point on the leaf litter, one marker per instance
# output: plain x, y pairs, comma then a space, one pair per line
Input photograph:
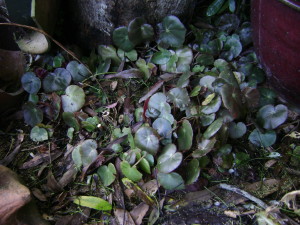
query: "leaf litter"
133, 171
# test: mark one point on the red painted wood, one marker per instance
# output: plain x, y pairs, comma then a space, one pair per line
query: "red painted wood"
276, 36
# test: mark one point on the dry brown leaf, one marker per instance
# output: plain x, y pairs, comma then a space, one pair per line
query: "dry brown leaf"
39, 194
264, 188
9, 158
40, 158
270, 163
139, 212
152, 90
150, 187
123, 217
52, 183
68, 176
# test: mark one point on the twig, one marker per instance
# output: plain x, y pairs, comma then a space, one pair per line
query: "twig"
47, 35
244, 193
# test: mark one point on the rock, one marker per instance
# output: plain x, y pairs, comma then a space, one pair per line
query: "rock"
16, 206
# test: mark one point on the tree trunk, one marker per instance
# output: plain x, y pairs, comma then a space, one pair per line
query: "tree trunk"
93, 21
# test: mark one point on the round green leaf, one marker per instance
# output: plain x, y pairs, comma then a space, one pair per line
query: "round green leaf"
185, 136
237, 130
232, 100
161, 57
85, 153
130, 172
171, 32
267, 96
213, 48
179, 97
213, 128
121, 39
204, 147
213, 106
127, 56
245, 33
78, 71
139, 31
38, 134
228, 22
109, 52
221, 65
146, 68
31, 83
270, 117
232, 47
185, 57
207, 81
70, 120
93, 203
170, 181
32, 114
262, 139
90, 124
257, 75
170, 66
205, 59
74, 99
57, 81
167, 116
146, 139
169, 160
107, 174
226, 115
207, 119
192, 171
163, 127
158, 101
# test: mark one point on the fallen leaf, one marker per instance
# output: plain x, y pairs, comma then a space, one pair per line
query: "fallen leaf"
139, 212
9, 158
39, 194
40, 158
150, 187
52, 183
92, 166
126, 74
123, 217
68, 176
138, 191
152, 90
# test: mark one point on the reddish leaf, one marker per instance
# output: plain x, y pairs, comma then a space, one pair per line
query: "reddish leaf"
153, 89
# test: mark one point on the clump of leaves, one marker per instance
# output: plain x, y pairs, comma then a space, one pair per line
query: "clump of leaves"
85, 153
206, 94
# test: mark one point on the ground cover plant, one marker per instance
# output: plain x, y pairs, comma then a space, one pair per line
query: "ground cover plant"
164, 109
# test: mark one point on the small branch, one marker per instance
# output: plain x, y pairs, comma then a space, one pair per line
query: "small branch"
245, 194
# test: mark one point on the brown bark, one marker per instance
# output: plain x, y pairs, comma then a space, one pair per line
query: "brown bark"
93, 21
